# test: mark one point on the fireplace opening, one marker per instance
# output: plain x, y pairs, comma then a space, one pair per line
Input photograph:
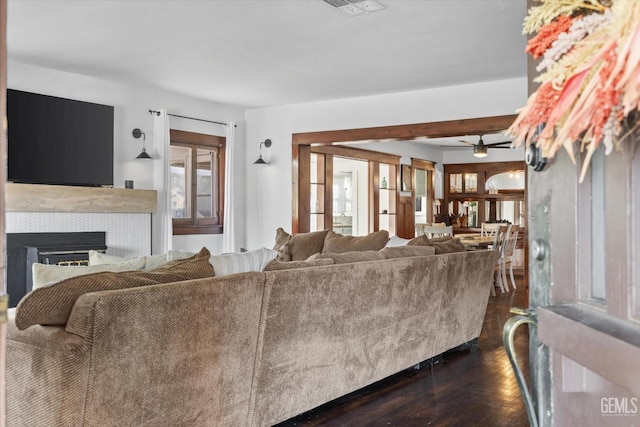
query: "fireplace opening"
25, 249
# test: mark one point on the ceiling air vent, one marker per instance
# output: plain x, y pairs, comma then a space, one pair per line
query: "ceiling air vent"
356, 7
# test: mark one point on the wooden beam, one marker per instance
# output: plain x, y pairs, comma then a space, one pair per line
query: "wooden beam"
477, 126
357, 153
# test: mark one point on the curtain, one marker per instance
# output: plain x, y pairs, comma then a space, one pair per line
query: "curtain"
162, 226
230, 236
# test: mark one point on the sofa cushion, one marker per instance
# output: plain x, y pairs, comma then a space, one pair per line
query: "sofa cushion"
442, 245
298, 247
281, 265
51, 305
43, 274
336, 243
226, 264
352, 256
406, 251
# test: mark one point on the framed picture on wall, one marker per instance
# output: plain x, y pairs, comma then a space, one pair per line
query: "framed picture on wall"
405, 174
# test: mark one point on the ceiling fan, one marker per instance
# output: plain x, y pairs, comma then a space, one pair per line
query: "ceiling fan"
480, 149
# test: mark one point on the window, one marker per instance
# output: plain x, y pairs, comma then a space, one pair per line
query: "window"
197, 182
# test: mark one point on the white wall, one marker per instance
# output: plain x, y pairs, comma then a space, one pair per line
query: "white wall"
269, 201
131, 111
266, 204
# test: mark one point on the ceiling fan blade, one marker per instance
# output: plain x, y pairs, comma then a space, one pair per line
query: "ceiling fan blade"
499, 146
496, 144
466, 142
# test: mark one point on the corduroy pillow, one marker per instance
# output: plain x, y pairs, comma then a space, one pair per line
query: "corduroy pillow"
407, 251
298, 247
276, 265
51, 305
336, 243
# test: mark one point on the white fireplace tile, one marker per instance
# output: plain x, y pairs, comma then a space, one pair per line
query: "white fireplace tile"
127, 234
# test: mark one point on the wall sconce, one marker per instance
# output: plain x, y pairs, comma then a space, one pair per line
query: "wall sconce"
143, 154
260, 161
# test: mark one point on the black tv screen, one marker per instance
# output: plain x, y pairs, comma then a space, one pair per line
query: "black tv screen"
58, 141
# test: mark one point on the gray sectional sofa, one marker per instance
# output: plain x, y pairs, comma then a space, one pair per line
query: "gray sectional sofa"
248, 349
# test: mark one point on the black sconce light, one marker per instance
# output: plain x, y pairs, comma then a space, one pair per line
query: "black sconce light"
136, 134
260, 161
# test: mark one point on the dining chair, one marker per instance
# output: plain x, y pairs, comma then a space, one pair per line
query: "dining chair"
432, 231
510, 255
499, 244
488, 229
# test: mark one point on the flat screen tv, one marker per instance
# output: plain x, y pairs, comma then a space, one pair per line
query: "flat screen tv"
58, 141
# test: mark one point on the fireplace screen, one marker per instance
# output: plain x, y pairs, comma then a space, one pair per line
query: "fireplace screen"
25, 249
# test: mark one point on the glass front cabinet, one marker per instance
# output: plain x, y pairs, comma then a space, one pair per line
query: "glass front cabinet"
484, 192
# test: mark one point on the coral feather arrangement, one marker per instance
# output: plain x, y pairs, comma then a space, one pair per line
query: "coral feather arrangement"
589, 76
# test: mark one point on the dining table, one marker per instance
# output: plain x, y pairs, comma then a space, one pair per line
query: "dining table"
477, 242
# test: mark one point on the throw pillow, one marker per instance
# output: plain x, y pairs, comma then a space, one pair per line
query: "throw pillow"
257, 260
174, 254
100, 258
279, 265
337, 243
395, 241
298, 247
407, 251
349, 257
52, 305
151, 261
453, 245
44, 273
442, 245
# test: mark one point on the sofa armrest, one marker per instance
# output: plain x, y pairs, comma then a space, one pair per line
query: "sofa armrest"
46, 375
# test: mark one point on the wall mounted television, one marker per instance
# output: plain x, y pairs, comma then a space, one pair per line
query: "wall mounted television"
58, 141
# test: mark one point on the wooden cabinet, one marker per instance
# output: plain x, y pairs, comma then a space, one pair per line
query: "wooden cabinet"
483, 192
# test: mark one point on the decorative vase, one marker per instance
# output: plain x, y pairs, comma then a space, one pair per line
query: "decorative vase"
383, 184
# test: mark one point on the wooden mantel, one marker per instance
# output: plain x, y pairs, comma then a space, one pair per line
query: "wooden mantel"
61, 198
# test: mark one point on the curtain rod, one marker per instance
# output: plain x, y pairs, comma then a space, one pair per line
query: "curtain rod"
190, 118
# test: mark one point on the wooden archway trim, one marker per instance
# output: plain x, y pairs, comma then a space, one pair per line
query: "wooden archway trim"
476, 126
301, 149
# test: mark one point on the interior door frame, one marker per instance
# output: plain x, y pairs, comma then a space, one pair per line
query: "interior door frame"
302, 142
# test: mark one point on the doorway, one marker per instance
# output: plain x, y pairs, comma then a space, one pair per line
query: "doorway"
350, 196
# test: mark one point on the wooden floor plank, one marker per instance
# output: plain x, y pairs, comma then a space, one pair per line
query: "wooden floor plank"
472, 387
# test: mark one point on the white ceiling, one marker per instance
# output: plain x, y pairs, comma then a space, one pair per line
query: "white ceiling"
272, 52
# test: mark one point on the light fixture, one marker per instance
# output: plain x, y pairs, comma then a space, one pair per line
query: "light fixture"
260, 161
137, 133
480, 150
356, 7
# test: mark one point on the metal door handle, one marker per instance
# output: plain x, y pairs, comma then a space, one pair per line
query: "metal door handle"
522, 316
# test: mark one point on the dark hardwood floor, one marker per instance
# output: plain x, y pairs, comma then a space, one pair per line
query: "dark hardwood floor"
469, 387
